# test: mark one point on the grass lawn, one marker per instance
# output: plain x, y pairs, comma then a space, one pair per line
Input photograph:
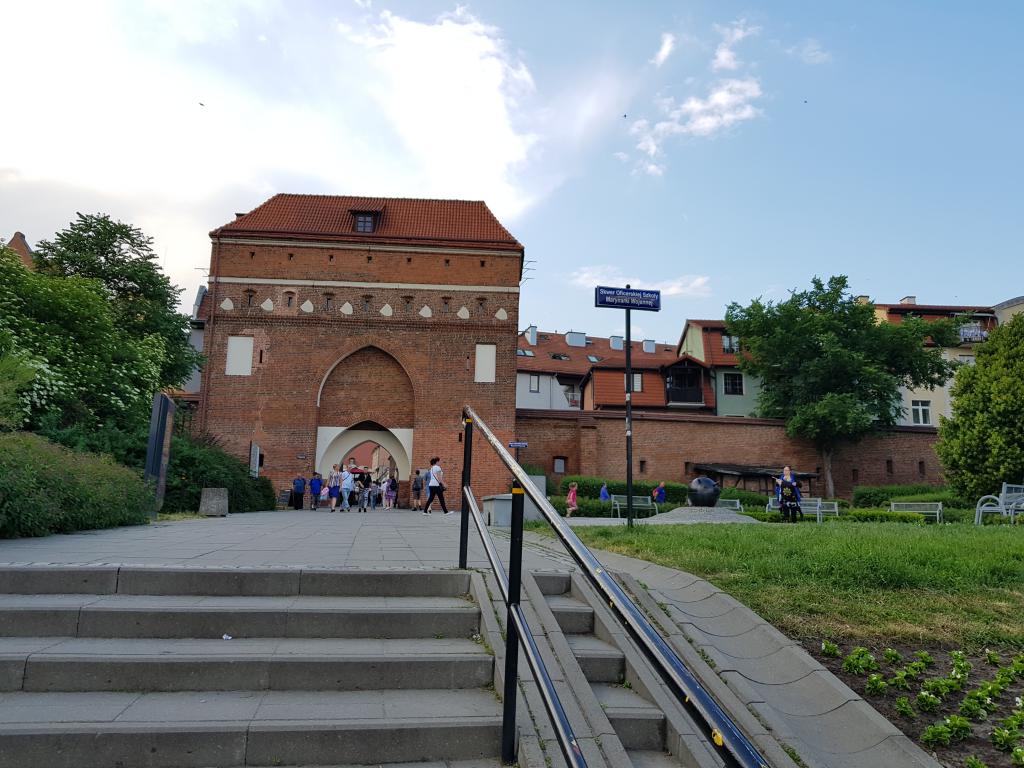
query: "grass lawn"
869, 583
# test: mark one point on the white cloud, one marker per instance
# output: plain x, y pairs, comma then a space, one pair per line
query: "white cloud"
729, 102
604, 274
809, 51
174, 115
621, 156
668, 42
725, 56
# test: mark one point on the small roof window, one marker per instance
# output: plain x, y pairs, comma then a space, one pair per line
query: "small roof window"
365, 221
559, 356
524, 352
595, 358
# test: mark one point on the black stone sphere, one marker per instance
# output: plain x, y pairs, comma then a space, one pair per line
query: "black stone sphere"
704, 492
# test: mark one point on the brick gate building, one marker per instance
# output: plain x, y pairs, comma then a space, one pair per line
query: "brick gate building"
331, 321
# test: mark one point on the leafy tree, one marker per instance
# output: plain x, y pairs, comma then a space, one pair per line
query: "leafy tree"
15, 374
86, 368
144, 301
982, 445
830, 369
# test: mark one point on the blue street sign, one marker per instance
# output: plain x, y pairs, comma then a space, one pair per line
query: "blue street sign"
518, 444
627, 298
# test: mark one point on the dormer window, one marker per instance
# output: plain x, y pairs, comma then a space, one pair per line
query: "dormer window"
559, 356
366, 222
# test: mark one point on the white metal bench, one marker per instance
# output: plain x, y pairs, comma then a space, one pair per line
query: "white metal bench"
808, 505
827, 507
639, 503
926, 508
730, 504
1009, 503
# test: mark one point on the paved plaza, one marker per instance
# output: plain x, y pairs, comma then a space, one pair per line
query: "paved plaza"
803, 703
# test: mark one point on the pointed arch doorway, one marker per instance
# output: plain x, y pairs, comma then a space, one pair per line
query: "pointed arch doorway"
367, 396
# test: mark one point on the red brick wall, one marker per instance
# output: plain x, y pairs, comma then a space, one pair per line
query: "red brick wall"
595, 444
403, 368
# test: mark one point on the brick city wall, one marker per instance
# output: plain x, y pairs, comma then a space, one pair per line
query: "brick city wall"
669, 445
388, 369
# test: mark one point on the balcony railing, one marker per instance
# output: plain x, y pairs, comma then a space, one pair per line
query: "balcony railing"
692, 395
972, 333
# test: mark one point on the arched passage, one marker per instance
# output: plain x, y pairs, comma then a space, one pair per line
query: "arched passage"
338, 442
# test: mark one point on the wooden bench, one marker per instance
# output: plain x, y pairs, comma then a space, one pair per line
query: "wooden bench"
645, 503
926, 508
730, 504
1009, 503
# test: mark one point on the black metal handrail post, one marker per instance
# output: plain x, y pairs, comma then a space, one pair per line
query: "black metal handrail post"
515, 579
467, 468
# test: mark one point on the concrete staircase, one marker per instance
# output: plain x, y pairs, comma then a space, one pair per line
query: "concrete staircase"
133, 667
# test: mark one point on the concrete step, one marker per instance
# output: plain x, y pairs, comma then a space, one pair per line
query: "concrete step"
573, 616
637, 722
553, 582
649, 758
220, 665
600, 661
120, 615
198, 730
144, 580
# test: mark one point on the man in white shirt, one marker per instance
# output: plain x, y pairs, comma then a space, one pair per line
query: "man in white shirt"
435, 486
347, 483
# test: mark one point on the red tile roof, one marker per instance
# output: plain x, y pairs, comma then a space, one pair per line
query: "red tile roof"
20, 246
578, 364
403, 220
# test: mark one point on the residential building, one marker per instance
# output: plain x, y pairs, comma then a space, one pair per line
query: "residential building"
922, 407
734, 393
1005, 310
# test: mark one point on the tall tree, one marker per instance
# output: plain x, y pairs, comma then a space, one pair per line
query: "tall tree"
144, 301
830, 369
982, 445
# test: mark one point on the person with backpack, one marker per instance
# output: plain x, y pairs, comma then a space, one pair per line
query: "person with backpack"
316, 484
417, 490
392, 493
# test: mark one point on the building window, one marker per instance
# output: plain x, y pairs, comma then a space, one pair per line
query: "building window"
559, 356
408, 303
239, 356
366, 303
534, 382
888, 466
328, 301
559, 465
733, 383
730, 344
366, 222
595, 358
920, 468
638, 382
524, 352
250, 296
486, 363
856, 475
289, 299
446, 304
643, 466
921, 411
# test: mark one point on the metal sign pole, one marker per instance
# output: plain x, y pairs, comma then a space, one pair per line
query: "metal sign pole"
629, 422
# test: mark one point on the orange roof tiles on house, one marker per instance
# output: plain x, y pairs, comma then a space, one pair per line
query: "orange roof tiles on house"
402, 220
578, 363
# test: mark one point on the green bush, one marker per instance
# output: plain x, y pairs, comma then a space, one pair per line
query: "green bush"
747, 498
947, 497
46, 488
867, 496
880, 516
200, 463
587, 507
590, 488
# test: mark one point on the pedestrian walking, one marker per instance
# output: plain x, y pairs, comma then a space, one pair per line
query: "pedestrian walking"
334, 486
393, 493
658, 494
417, 490
604, 495
363, 491
571, 504
316, 484
435, 486
787, 491
347, 484
298, 491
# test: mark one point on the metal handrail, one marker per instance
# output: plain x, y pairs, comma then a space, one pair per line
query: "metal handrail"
738, 750
556, 712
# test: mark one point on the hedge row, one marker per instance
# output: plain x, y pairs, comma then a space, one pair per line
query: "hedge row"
867, 496
587, 507
675, 493
46, 488
196, 464
854, 516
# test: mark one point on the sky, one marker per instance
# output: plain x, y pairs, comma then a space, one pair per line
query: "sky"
717, 151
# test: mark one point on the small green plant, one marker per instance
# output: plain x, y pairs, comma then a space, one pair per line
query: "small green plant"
875, 685
925, 658
892, 656
992, 657
928, 702
860, 661
1017, 756
937, 735
915, 668
940, 686
899, 680
971, 707
904, 708
830, 649
959, 727
973, 762
1005, 739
